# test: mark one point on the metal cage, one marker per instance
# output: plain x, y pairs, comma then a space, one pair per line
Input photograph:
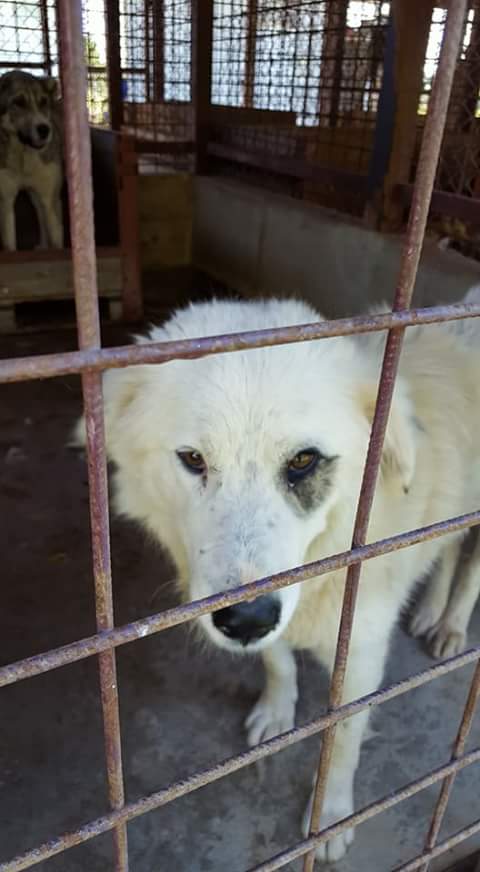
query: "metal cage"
90, 360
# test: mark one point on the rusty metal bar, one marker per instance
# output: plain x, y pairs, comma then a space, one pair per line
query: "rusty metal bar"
79, 173
428, 160
214, 773
114, 637
447, 845
97, 359
114, 65
46, 36
283, 859
458, 750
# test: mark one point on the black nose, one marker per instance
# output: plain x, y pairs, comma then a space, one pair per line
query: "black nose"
43, 130
247, 622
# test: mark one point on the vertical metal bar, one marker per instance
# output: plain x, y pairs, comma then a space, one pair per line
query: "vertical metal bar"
458, 750
428, 160
46, 36
202, 39
114, 64
78, 158
249, 90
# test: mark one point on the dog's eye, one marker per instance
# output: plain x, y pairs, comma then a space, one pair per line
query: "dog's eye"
302, 464
42, 103
20, 102
193, 461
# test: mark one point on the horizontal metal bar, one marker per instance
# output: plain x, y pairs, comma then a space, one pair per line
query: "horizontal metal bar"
457, 751
93, 360
354, 820
75, 651
207, 776
447, 845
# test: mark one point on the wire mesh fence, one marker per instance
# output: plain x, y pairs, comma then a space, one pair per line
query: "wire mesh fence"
90, 360
320, 65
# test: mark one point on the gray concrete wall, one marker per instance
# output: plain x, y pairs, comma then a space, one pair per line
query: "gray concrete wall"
263, 243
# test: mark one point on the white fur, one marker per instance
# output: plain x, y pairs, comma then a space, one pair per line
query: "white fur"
246, 412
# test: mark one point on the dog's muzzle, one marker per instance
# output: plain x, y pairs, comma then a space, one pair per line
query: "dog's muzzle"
250, 621
42, 135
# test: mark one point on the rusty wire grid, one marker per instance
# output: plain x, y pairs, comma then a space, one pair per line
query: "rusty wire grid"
318, 63
28, 36
90, 360
155, 60
457, 183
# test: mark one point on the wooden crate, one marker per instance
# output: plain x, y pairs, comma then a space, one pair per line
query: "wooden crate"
47, 276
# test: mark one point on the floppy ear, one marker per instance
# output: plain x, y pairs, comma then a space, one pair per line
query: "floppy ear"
4, 93
120, 387
51, 87
399, 448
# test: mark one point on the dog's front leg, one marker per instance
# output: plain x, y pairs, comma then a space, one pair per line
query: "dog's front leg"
54, 220
274, 712
8, 233
363, 675
41, 218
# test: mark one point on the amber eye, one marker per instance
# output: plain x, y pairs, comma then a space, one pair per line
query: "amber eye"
193, 461
302, 465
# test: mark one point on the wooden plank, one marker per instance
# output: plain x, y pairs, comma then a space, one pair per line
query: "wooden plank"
41, 255
454, 205
294, 167
411, 20
246, 115
53, 280
127, 180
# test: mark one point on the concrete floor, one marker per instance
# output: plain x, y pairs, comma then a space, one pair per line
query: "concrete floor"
181, 707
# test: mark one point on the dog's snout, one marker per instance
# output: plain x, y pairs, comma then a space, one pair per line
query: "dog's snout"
249, 621
43, 131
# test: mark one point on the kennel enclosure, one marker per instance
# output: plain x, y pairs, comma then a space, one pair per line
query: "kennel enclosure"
240, 133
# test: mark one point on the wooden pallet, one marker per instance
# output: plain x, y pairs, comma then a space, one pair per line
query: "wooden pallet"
47, 276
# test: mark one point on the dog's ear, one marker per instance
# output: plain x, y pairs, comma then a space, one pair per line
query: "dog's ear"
120, 387
51, 87
4, 93
399, 448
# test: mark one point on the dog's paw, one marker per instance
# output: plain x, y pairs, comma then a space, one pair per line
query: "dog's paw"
271, 715
337, 847
446, 640
424, 619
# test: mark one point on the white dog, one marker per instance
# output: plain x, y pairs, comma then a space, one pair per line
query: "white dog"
249, 463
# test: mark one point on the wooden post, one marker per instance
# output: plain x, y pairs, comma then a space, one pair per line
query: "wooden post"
128, 219
332, 62
202, 39
114, 66
411, 20
158, 50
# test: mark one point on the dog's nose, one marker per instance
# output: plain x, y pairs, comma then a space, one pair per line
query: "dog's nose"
43, 130
248, 622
